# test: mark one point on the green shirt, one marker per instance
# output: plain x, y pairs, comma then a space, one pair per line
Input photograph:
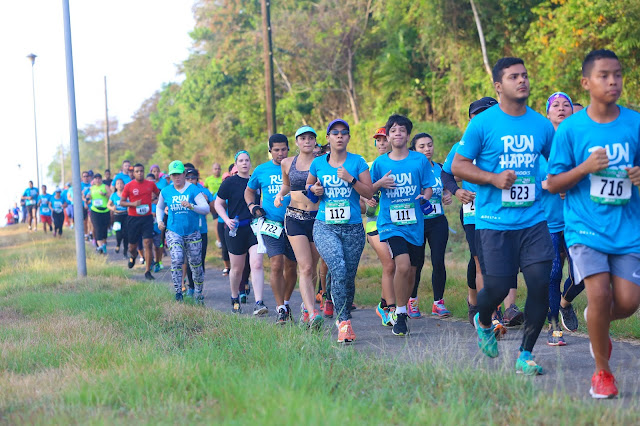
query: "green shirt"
212, 183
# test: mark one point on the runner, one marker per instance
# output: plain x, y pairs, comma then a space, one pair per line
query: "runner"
100, 216
119, 217
140, 194
559, 107
595, 159
158, 235
511, 233
266, 180
44, 203
30, 198
107, 177
339, 179
58, 204
436, 233
212, 183
85, 188
405, 179
67, 195
387, 306
240, 239
123, 174
299, 219
192, 175
184, 202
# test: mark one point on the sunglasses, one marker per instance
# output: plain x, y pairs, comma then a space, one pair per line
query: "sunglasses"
339, 132
191, 178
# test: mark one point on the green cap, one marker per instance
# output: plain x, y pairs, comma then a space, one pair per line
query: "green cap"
306, 129
176, 167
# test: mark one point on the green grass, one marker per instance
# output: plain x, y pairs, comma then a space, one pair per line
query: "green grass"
107, 349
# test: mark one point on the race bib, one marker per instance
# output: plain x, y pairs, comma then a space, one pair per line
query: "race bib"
437, 207
403, 214
271, 228
521, 194
337, 212
117, 226
45, 210
611, 187
99, 203
142, 209
58, 210
469, 209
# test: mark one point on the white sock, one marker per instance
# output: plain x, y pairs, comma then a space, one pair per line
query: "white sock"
413, 298
281, 307
286, 302
401, 310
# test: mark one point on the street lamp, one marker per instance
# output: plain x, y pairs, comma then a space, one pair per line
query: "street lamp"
32, 58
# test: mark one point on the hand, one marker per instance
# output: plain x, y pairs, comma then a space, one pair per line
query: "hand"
344, 175
504, 179
231, 223
387, 181
446, 198
186, 204
277, 201
465, 196
137, 203
598, 160
161, 226
371, 203
634, 175
317, 189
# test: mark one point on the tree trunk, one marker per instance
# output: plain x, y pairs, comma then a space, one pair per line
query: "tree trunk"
351, 90
483, 46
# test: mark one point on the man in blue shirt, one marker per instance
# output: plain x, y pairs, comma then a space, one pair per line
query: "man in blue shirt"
122, 174
44, 204
30, 197
596, 160
267, 181
506, 142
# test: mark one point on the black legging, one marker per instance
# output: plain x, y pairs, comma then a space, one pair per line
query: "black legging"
122, 233
436, 233
58, 220
496, 289
223, 242
205, 242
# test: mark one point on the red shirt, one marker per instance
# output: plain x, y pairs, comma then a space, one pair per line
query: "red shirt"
134, 191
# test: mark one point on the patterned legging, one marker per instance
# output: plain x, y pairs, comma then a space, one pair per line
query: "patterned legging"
192, 245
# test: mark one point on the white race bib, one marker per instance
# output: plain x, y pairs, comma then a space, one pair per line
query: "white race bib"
337, 212
271, 228
403, 214
521, 194
437, 207
142, 209
469, 209
117, 226
610, 186
45, 210
97, 203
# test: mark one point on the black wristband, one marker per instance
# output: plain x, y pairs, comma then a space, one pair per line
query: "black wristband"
353, 181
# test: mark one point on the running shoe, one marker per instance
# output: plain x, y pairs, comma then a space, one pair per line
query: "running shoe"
513, 316
412, 309
260, 308
400, 328
156, 267
282, 316
190, 292
199, 299
236, 307
243, 298
440, 310
218, 244
526, 365
554, 336
289, 314
603, 385
486, 338
345, 332
148, 276
497, 323
316, 320
328, 309
142, 260
472, 310
117, 250
568, 318
304, 314
247, 288
225, 272
383, 313
319, 295
178, 297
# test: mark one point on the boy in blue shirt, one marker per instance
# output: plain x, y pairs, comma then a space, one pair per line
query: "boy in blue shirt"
404, 177
44, 203
506, 142
596, 160
30, 197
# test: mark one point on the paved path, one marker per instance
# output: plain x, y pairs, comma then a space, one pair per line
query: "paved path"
567, 368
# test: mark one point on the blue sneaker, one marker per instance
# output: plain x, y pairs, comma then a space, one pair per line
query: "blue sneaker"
189, 292
178, 297
486, 339
243, 298
383, 313
526, 365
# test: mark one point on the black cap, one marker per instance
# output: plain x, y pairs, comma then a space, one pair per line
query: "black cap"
481, 104
193, 172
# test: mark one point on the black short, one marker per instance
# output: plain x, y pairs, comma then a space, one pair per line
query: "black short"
398, 246
100, 221
470, 233
299, 222
31, 208
504, 253
242, 242
85, 213
279, 246
139, 227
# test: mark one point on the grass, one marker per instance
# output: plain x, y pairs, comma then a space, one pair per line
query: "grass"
107, 349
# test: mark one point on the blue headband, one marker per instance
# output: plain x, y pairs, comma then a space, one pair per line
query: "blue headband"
557, 95
238, 154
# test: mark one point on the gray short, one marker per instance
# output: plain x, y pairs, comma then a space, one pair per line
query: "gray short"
157, 240
587, 262
278, 246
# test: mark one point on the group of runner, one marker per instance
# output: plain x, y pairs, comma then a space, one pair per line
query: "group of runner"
535, 191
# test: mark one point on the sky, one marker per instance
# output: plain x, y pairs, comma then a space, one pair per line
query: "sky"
136, 44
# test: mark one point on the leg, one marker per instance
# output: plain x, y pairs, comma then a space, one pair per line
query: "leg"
277, 278
257, 273
290, 277
304, 255
176, 249
148, 253
353, 243
537, 304
194, 257
388, 268
329, 246
438, 239
235, 274
555, 279
403, 283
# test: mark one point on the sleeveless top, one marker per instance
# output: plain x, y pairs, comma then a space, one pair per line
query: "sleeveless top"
297, 178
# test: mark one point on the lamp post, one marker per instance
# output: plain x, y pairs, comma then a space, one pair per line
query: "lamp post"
32, 58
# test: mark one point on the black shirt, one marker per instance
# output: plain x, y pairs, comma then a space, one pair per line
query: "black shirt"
232, 190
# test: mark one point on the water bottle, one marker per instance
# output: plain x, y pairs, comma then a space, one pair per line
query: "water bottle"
233, 231
371, 211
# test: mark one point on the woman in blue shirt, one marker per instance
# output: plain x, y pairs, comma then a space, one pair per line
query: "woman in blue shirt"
119, 216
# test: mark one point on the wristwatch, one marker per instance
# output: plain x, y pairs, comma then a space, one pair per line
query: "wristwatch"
353, 181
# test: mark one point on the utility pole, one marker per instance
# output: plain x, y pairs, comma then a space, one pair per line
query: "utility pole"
62, 165
268, 67
106, 128
32, 58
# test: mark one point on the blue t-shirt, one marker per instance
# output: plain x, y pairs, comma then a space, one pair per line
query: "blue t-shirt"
267, 178
400, 214
469, 211
162, 183
32, 193
57, 204
125, 178
86, 189
497, 142
204, 227
182, 220
436, 198
43, 201
338, 194
552, 203
115, 199
609, 228
67, 195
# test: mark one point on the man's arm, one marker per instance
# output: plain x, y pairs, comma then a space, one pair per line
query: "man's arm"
463, 167
562, 182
